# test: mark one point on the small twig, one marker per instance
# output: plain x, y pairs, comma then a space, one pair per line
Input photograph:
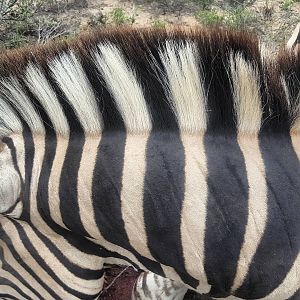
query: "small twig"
48, 32
7, 8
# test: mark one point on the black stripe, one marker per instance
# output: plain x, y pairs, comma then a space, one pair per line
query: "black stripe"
20, 260
6, 296
227, 203
227, 210
41, 262
107, 184
4, 281
29, 150
7, 267
163, 197
281, 240
68, 190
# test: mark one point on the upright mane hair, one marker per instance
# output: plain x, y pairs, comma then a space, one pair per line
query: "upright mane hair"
97, 82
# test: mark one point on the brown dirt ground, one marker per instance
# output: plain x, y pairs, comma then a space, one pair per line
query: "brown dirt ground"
274, 29
270, 20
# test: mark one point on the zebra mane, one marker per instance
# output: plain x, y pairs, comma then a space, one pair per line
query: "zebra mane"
141, 79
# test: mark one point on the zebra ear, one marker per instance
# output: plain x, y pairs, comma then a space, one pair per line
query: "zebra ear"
294, 41
10, 182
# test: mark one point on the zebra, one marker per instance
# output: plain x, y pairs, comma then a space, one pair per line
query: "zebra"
174, 151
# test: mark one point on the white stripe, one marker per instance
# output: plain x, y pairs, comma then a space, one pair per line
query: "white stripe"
247, 101
44, 93
5, 289
18, 142
193, 215
122, 83
295, 137
54, 180
88, 287
13, 92
85, 184
257, 205
132, 193
73, 81
184, 84
6, 275
115, 248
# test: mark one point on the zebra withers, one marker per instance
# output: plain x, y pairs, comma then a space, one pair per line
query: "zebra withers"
175, 151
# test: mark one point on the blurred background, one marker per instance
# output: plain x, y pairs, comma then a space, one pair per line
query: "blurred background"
37, 21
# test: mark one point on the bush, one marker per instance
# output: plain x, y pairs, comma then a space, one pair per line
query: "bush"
209, 18
239, 17
286, 4
119, 17
16, 9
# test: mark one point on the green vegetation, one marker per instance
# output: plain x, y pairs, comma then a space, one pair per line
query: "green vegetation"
209, 18
34, 21
119, 17
19, 25
37, 21
15, 22
16, 10
238, 17
287, 4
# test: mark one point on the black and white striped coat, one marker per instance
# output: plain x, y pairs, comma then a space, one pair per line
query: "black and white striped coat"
176, 152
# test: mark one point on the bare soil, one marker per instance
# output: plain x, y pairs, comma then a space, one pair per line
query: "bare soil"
270, 21
273, 20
